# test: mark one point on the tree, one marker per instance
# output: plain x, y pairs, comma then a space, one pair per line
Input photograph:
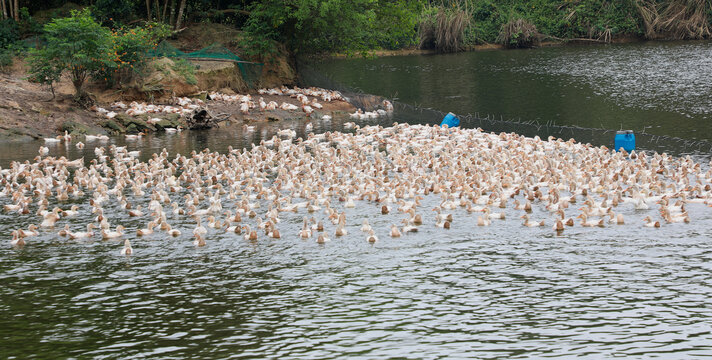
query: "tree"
10, 10
181, 8
312, 26
77, 45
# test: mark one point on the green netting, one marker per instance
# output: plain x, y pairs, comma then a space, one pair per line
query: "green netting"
250, 71
164, 49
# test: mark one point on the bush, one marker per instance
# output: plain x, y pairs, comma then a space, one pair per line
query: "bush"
5, 59
131, 46
310, 26
111, 12
444, 29
44, 69
427, 26
518, 33
8, 33
28, 25
396, 24
77, 45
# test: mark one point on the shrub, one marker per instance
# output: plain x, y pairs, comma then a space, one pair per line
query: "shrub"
8, 33
311, 26
28, 25
77, 45
427, 28
44, 69
131, 46
443, 30
676, 19
5, 59
113, 11
518, 33
396, 23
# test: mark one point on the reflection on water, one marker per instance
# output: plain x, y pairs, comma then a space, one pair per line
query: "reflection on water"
661, 88
477, 292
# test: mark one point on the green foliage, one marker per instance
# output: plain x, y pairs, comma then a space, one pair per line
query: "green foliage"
185, 69
77, 45
81, 47
313, 26
396, 23
9, 33
28, 25
44, 69
5, 59
131, 45
599, 19
488, 20
113, 11
262, 29
518, 33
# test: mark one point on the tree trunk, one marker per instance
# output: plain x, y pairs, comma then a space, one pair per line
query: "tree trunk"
165, 9
4, 11
172, 20
8, 8
181, 8
17, 10
157, 7
148, 10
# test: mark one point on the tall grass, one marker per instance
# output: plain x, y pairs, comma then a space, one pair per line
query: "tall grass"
443, 28
675, 19
518, 33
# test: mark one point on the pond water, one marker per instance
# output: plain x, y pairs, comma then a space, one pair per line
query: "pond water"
498, 292
661, 88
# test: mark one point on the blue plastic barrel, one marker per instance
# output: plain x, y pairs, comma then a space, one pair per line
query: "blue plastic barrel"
625, 139
450, 120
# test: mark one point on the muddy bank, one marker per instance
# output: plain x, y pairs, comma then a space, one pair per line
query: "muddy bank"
28, 111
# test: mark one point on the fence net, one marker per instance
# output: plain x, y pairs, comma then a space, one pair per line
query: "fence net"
250, 71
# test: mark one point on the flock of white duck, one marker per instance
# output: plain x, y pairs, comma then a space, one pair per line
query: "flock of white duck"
184, 105
322, 178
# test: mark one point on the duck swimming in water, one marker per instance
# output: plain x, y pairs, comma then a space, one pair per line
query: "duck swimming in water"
370, 168
127, 250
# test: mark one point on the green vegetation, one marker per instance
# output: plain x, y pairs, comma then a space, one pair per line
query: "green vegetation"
349, 26
81, 47
5, 59
589, 19
185, 69
131, 46
77, 45
518, 33
312, 26
443, 28
451, 25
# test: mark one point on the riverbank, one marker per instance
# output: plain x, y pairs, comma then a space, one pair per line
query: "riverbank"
29, 111
482, 47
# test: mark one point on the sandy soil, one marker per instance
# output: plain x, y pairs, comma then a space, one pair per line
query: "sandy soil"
28, 111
